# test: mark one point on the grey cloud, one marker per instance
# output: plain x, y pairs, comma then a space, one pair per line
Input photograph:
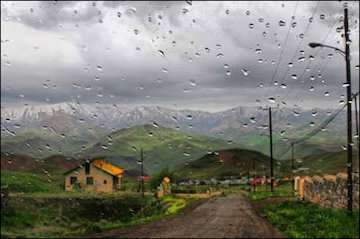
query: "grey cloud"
142, 69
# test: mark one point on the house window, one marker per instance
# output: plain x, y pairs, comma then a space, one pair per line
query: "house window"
105, 182
73, 180
87, 168
89, 180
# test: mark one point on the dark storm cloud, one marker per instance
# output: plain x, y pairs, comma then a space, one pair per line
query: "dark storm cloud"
196, 77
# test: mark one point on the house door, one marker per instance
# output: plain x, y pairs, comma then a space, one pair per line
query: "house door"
115, 183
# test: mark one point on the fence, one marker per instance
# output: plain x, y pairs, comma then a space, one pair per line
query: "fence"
327, 190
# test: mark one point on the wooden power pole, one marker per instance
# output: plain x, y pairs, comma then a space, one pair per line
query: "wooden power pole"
271, 154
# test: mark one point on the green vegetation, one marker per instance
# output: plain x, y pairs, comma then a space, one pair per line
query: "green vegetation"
70, 214
239, 162
262, 192
306, 220
25, 182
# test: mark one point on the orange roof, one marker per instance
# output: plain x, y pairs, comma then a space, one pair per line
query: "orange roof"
107, 167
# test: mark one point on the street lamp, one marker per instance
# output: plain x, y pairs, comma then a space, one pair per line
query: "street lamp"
346, 53
316, 44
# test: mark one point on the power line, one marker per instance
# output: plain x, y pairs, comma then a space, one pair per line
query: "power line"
322, 126
299, 44
308, 65
283, 46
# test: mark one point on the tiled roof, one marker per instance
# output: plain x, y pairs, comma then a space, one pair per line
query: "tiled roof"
107, 167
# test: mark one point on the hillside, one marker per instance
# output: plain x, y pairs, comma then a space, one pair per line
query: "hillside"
328, 163
161, 146
230, 162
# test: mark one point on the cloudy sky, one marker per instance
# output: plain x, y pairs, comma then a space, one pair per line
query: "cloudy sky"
196, 55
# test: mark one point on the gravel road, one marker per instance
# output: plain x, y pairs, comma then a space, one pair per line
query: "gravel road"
221, 217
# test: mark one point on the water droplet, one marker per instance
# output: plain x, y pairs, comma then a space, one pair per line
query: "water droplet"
267, 25
282, 23
251, 25
119, 14
294, 76
219, 55
276, 83
164, 70
283, 86
155, 125
226, 66
258, 51
253, 120
293, 24
99, 68
290, 64
184, 10
261, 85
228, 73
271, 100
296, 113
311, 88
247, 12
312, 78
314, 113
322, 16
136, 31
131, 11
311, 19
245, 72
97, 78
227, 11
311, 58
312, 124
345, 85
301, 59
192, 82
161, 53
326, 93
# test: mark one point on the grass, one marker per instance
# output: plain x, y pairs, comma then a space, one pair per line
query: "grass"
71, 214
262, 192
26, 182
306, 220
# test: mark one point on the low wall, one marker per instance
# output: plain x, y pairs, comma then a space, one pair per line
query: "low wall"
327, 190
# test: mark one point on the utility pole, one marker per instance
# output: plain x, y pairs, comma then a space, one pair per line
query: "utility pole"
271, 154
142, 172
292, 165
357, 126
349, 120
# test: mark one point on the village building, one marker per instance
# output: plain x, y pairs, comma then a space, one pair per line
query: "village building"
95, 175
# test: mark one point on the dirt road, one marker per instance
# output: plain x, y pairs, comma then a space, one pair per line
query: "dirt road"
231, 216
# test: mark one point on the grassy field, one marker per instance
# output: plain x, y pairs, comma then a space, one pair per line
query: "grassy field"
306, 220
70, 214
262, 192
297, 219
27, 182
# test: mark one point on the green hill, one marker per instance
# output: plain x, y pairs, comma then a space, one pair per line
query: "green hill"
230, 162
162, 147
329, 163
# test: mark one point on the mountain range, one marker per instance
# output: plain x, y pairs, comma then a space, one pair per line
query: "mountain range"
78, 130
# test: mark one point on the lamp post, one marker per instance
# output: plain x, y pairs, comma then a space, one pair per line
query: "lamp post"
346, 53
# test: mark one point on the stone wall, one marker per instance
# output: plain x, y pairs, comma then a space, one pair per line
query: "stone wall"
329, 190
